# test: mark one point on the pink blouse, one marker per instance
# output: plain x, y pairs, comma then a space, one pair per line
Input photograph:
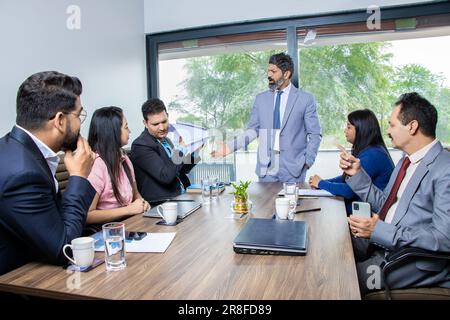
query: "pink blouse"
101, 181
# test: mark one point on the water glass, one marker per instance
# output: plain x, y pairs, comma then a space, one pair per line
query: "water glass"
114, 237
214, 188
291, 193
206, 190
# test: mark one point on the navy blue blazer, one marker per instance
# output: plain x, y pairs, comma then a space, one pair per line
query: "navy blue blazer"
157, 175
35, 221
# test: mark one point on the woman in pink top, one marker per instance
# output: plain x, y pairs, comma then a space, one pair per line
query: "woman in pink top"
112, 174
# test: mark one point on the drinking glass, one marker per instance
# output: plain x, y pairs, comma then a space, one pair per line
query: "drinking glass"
114, 237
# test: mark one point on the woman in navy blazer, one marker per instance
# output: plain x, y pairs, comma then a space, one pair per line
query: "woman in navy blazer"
363, 132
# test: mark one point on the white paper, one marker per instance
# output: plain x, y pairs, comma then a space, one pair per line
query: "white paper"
310, 193
193, 136
153, 242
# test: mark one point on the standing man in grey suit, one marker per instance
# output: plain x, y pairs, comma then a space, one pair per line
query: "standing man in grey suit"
285, 120
414, 209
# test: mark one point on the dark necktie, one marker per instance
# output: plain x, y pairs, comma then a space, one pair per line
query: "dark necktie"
276, 112
392, 198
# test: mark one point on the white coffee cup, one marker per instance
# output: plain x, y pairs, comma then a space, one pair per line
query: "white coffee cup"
83, 251
282, 206
169, 211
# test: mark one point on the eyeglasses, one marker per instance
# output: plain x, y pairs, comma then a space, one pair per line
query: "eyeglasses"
82, 115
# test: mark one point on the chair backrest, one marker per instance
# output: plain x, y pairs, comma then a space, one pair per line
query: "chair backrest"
225, 172
62, 175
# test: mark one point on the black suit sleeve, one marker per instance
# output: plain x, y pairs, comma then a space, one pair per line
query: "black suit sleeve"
33, 216
160, 168
190, 160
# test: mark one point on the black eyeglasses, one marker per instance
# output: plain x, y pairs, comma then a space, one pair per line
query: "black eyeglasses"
82, 115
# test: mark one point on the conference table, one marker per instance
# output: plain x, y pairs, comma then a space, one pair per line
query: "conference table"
200, 262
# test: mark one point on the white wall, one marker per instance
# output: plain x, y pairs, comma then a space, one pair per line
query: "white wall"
168, 15
107, 53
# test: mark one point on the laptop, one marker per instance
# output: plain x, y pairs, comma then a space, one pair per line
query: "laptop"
185, 208
272, 236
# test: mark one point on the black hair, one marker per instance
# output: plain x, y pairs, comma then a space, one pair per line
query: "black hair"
415, 107
44, 94
283, 61
367, 131
152, 106
105, 139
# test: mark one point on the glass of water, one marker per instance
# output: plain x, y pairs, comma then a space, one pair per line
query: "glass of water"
214, 181
114, 237
291, 193
206, 190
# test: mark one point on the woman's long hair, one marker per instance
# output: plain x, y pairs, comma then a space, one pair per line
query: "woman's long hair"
367, 131
105, 133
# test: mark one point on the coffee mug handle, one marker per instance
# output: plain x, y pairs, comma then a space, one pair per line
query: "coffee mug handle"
64, 251
159, 212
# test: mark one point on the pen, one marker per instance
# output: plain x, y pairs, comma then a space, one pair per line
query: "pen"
307, 210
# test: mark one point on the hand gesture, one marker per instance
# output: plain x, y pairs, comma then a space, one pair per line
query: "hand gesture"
79, 163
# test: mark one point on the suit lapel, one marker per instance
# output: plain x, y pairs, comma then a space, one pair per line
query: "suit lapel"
161, 149
414, 183
22, 137
293, 95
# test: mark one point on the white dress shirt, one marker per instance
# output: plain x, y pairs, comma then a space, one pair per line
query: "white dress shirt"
415, 159
283, 102
50, 156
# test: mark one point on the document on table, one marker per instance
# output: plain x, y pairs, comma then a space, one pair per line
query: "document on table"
310, 193
153, 242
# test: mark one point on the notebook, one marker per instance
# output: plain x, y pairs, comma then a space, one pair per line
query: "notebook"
185, 208
271, 236
197, 188
310, 193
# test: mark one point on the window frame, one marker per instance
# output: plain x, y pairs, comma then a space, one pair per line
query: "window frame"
291, 24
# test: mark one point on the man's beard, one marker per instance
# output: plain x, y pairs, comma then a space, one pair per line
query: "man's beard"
70, 140
274, 85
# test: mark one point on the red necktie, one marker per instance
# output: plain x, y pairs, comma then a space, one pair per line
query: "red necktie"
392, 198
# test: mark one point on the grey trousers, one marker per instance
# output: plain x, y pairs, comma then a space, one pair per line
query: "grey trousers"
368, 262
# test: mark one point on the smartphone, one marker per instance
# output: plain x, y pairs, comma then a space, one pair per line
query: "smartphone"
131, 235
96, 263
361, 209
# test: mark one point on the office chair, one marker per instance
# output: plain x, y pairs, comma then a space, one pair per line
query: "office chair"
395, 260
62, 175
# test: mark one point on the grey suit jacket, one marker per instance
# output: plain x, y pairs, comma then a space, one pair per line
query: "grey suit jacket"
422, 217
300, 134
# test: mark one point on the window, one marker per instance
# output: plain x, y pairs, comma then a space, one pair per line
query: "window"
210, 76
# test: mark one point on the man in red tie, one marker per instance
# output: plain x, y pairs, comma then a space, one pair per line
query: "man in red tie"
413, 210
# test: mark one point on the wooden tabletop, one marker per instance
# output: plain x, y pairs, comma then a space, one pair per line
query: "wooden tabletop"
200, 262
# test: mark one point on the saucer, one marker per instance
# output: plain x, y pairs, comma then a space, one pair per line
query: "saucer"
164, 223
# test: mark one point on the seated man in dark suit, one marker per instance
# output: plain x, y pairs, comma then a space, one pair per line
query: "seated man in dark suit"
160, 166
35, 221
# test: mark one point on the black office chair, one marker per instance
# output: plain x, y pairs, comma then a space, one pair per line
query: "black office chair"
397, 259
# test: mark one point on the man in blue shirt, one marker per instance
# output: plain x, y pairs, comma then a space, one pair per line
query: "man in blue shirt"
161, 167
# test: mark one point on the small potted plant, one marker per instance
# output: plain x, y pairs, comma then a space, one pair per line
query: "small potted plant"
241, 203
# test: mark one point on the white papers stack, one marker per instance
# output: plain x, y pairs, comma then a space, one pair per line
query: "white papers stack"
153, 242
310, 193
193, 136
